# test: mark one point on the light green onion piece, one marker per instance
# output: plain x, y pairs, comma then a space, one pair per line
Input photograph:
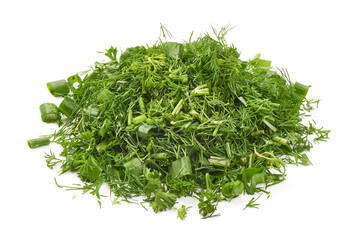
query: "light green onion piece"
201, 90
280, 140
180, 168
39, 142
218, 161
134, 166
144, 131
49, 113
274, 129
139, 119
243, 101
197, 116
264, 63
300, 90
173, 49
129, 117
58, 88
67, 107
257, 133
104, 96
160, 156
91, 112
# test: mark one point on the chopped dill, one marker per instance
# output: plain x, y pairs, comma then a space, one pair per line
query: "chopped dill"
177, 120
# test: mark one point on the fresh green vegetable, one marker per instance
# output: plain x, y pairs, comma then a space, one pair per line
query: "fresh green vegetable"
181, 119
49, 113
182, 212
67, 107
58, 88
39, 142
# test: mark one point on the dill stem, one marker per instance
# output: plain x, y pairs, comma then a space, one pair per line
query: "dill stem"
142, 105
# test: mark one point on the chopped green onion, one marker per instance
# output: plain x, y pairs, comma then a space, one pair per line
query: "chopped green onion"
280, 140
104, 96
144, 131
39, 142
174, 49
218, 161
264, 63
67, 107
139, 119
49, 113
160, 156
257, 133
232, 189
181, 167
274, 129
243, 101
201, 90
129, 117
134, 166
300, 90
58, 88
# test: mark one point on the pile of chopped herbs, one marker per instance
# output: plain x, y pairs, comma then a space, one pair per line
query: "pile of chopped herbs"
180, 119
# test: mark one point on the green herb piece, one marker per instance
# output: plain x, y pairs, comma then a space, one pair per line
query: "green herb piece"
90, 168
180, 168
144, 131
280, 140
67, 107
175, 120
58, 88
139, 119
163, 201
264, 63
104, 96
173, 49
257, 133
39, 142
134, 166
300, 89
232, 189
252, 204
182, 212
49, 113
218, 161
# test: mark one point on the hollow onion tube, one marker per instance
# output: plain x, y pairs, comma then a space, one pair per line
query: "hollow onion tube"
139, 119
40, 141
300, 89
67, 106
104, 96
58, 88
49, 113
180, 167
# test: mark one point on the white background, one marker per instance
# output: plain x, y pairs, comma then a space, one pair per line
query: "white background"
42, 41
